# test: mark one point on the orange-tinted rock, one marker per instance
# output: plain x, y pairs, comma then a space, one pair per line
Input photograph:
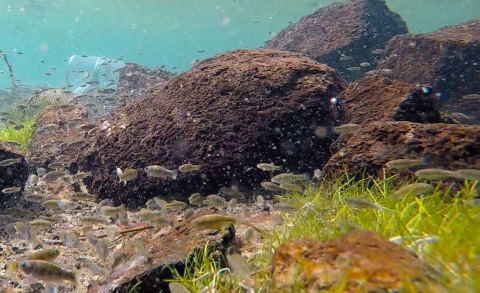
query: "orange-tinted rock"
45, 146
354, 28
378, 99
228, 113
168, 251
448, 59
449, 146
11, 176
359, 256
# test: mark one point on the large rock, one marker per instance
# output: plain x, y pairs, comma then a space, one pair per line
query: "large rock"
365, 258
11, 176
46, 146
447, 59
353, 29
449, 146
375, 98
166, 252
228, 114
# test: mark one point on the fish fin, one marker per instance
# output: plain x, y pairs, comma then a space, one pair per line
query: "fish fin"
175, 174
280, 168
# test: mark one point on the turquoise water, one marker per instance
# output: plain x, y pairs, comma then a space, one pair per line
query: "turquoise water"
167, 32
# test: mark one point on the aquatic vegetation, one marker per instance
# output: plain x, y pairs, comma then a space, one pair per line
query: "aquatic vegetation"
438, 225
21, 136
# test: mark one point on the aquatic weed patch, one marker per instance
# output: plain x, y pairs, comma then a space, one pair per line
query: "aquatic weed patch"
439, 226
21, 136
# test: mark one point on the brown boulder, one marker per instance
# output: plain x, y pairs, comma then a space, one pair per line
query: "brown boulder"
378, 99
166, 251
228, 114
354, 28
363, 257
46, 146
447, 59
11, 176
449, 146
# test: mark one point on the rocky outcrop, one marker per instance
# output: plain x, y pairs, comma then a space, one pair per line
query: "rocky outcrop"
228, 114
447, 59
166, 252
448, 146
134, 80
363, 257
55, 128
11, 176
378, 99
343, 35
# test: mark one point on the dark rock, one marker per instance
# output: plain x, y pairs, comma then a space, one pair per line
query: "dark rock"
448, 146
134, 79
228, 113
45, 146
354, 28
375, 98
448, 59
369, 261
11, 176
169, 251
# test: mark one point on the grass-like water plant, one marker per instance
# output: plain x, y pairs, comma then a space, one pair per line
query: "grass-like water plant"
449, 216
22, 136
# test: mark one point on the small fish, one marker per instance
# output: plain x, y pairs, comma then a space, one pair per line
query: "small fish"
460, 116
91, 239
47, 271
52, 176
51, 204
269, 167
272, 186
365, 64
159, 171
346, 58
48, 254
231, 191
147, 215
248, 235
285, 207
232, 203
101, 247
189, 168
10, 190
66, 204
58, 165
34, 197
290, 187
87, 126
188, 214
196, 199
109, 211
377, 51
10, 162
71, 239
176, 205
160, 220
17, 212
238, 265
106, 91
346, 128
140, 247
40, 224
435, 174
414, 189
119, 257
470, 174
260, 201
127, 175
214, 200
97, 270
92, 220
81, 175
361, 203
277, 219
471, 97
176, 287
74, 145
404, 163
48, 74
354, 68
289, 177
83, 196
216, 222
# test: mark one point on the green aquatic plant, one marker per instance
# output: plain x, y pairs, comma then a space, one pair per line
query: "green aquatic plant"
449, 217
21, 136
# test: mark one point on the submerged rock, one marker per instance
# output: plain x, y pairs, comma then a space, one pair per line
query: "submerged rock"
11, 176
448, 146
363, 257
378, 99
343, 35
448, 59
228, 114
166, 252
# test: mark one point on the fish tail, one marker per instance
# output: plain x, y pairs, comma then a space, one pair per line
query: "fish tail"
279, 168
199, 167
19, 160
119, 171
175, 174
